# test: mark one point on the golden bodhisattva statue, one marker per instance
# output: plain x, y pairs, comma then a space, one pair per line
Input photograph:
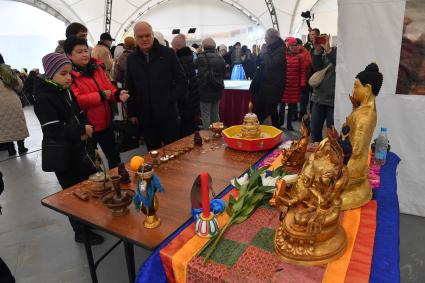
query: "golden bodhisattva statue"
293, 158
310, 232
362, 122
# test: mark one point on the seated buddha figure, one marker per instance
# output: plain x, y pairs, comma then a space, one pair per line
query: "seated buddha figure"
362, 122
310, 232
293, 158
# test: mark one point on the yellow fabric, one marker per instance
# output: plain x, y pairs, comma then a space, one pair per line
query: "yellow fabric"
336, 270
276, 163
181, 259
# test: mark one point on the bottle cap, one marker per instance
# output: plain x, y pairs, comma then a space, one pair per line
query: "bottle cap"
384, 130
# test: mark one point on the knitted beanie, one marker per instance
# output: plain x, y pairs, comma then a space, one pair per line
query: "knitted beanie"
52, 63
372, 76
290, 40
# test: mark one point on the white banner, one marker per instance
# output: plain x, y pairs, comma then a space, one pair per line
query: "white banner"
371, 31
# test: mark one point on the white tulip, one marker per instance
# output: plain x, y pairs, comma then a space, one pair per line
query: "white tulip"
268, 181
244, 180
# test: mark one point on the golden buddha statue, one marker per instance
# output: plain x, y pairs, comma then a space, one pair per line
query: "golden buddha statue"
293, 158
310, 232
361, 122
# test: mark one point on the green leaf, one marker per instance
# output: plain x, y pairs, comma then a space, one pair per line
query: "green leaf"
241, 218
229, 210
255, 177
237, 185
239, 203
243, 189
232, 200
277, 172
265, 189
257, 197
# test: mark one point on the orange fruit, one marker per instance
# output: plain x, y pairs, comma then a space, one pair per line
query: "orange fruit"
136, 162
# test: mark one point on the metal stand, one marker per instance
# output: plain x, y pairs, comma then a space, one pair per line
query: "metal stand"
89, 253
129, 258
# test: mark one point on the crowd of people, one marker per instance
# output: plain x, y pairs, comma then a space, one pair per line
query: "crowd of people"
168, 90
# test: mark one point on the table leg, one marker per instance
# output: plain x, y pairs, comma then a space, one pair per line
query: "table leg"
89, 253
129, 258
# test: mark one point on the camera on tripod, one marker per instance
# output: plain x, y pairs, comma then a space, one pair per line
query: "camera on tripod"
308, 17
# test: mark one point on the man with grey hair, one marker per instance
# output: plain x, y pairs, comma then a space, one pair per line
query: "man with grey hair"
211, 71
156, 83
269, 81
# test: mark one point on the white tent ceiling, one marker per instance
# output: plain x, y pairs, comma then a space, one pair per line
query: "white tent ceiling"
92, 13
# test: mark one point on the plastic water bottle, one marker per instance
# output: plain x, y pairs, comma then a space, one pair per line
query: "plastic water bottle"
381, 147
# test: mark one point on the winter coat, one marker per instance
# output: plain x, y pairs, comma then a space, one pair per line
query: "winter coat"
13, 126
236, 56
250, 66
87, 89
269, 81
295, 78
155, 85
61, 118
103, 54
189, 107
306, 61
217, 64
325, 93
120, 67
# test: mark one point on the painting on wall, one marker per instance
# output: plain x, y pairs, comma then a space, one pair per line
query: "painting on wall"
411, 71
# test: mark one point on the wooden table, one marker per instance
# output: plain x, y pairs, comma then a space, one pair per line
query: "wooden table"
176, 176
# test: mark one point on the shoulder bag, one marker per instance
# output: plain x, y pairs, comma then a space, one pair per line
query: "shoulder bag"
317, 78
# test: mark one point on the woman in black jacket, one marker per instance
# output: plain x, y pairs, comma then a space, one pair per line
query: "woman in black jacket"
61, 119
211, 71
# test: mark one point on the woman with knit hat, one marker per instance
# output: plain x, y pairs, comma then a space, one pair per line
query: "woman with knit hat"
12, 120
61, 119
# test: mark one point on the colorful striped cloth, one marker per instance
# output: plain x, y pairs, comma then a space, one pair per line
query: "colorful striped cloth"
246, 249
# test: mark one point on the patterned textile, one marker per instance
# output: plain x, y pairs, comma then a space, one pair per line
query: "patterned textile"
246, 251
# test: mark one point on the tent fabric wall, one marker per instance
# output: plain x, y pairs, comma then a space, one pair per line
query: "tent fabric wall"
92, 13
371, 31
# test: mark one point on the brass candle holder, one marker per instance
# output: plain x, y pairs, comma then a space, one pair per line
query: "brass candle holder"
118, 200
217, 128
154, 154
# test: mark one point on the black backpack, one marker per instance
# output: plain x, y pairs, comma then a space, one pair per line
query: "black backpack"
212, 79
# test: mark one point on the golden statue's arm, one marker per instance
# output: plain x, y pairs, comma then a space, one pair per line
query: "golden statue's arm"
359, 131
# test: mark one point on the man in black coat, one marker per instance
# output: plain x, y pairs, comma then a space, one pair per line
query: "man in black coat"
156, 82
269, 82
189, 107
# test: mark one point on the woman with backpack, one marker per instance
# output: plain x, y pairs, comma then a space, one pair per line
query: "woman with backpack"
211, 71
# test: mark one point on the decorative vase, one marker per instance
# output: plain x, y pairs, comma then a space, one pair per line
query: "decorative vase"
207, 227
